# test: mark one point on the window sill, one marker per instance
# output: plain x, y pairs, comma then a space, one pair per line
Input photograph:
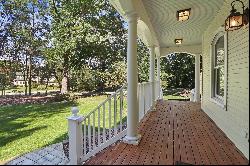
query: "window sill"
218, 101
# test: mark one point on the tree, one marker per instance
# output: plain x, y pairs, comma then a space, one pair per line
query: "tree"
86, 33
179, 69
25, 28
143, 62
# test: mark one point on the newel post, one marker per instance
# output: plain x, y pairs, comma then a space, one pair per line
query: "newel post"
75, 137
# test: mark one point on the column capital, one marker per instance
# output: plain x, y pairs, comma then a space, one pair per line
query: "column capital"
132, 16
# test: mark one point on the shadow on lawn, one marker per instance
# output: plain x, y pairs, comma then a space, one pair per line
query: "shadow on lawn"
14, 119
12, 136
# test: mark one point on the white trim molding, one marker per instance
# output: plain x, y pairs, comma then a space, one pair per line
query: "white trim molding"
192, 49
219, 100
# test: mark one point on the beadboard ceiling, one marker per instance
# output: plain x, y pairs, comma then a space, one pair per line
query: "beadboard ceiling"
162, 15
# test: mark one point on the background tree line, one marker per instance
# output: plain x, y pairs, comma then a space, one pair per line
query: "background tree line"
82, 43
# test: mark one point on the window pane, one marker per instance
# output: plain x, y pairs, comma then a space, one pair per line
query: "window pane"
220, 81
219, 51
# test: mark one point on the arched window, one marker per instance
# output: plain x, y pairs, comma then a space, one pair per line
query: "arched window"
218, 68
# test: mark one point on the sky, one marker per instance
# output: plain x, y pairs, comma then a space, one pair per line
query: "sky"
5, 19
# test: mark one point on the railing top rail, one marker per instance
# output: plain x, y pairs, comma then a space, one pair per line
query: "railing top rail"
112, 95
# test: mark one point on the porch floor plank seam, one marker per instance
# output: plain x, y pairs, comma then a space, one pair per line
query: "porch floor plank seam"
178, 132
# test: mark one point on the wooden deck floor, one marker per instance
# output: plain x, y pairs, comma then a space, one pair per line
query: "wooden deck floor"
177, 133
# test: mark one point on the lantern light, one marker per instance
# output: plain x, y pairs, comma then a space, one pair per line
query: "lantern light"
178, 41
236, 20
183, 15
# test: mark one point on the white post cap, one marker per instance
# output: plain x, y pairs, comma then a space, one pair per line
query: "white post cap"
74, 111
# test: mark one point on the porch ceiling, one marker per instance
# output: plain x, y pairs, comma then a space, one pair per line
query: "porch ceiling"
162, 14
158, 25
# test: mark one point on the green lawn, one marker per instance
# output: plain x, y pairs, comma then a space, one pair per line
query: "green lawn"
173, 97
175, 94
24, 128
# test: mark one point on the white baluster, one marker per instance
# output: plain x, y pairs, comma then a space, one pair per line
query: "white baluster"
104, 121
94, 143
84, 137
143, 98
121, 108
115, 112
99, 140
89, 133
109, 118
139, 100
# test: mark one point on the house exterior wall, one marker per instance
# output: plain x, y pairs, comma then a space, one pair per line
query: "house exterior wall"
233, 119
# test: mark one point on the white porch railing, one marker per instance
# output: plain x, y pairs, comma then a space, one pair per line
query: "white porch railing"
144, 98
108, 117
106, 124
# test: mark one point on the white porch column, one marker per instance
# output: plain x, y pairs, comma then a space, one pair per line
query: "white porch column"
197, 78
158, 75
152, 72
132, 136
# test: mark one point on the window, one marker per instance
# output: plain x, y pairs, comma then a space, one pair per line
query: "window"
219, 67
218, 70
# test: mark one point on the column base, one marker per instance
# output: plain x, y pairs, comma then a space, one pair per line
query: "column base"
132, 140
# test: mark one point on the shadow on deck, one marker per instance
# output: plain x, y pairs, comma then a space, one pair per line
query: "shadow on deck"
177, 133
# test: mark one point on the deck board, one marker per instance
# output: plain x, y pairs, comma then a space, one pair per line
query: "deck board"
177, 132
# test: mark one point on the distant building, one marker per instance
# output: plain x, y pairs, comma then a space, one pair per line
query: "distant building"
19, 80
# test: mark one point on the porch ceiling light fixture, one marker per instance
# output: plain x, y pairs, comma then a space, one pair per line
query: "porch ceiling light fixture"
236, 20
178, 41
183, 15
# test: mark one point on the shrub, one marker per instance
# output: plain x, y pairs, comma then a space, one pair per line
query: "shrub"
64, 97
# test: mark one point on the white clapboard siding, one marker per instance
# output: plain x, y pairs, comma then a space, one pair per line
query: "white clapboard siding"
235, 120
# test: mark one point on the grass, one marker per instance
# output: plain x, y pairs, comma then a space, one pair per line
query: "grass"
175, 94
173, 97
24, 128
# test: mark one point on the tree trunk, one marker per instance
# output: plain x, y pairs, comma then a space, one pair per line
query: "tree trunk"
46, 92
25, 76
64, 84
30, 74
58, 81
65, 79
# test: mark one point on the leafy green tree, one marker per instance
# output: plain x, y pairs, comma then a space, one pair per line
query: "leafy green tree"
84, 33
25, 26
178, 70
116, 75
143, 62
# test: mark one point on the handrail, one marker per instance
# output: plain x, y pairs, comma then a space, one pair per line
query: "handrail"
112, 95
108, 115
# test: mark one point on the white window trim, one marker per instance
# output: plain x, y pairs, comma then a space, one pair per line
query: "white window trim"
219, 100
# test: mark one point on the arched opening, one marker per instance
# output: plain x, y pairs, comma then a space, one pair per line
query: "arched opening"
178, 75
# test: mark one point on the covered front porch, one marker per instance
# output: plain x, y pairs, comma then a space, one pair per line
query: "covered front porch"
178, 132
164, 132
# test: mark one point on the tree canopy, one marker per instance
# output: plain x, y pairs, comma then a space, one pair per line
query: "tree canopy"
81, 43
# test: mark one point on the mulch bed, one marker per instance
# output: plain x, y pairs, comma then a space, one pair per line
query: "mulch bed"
16, 100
